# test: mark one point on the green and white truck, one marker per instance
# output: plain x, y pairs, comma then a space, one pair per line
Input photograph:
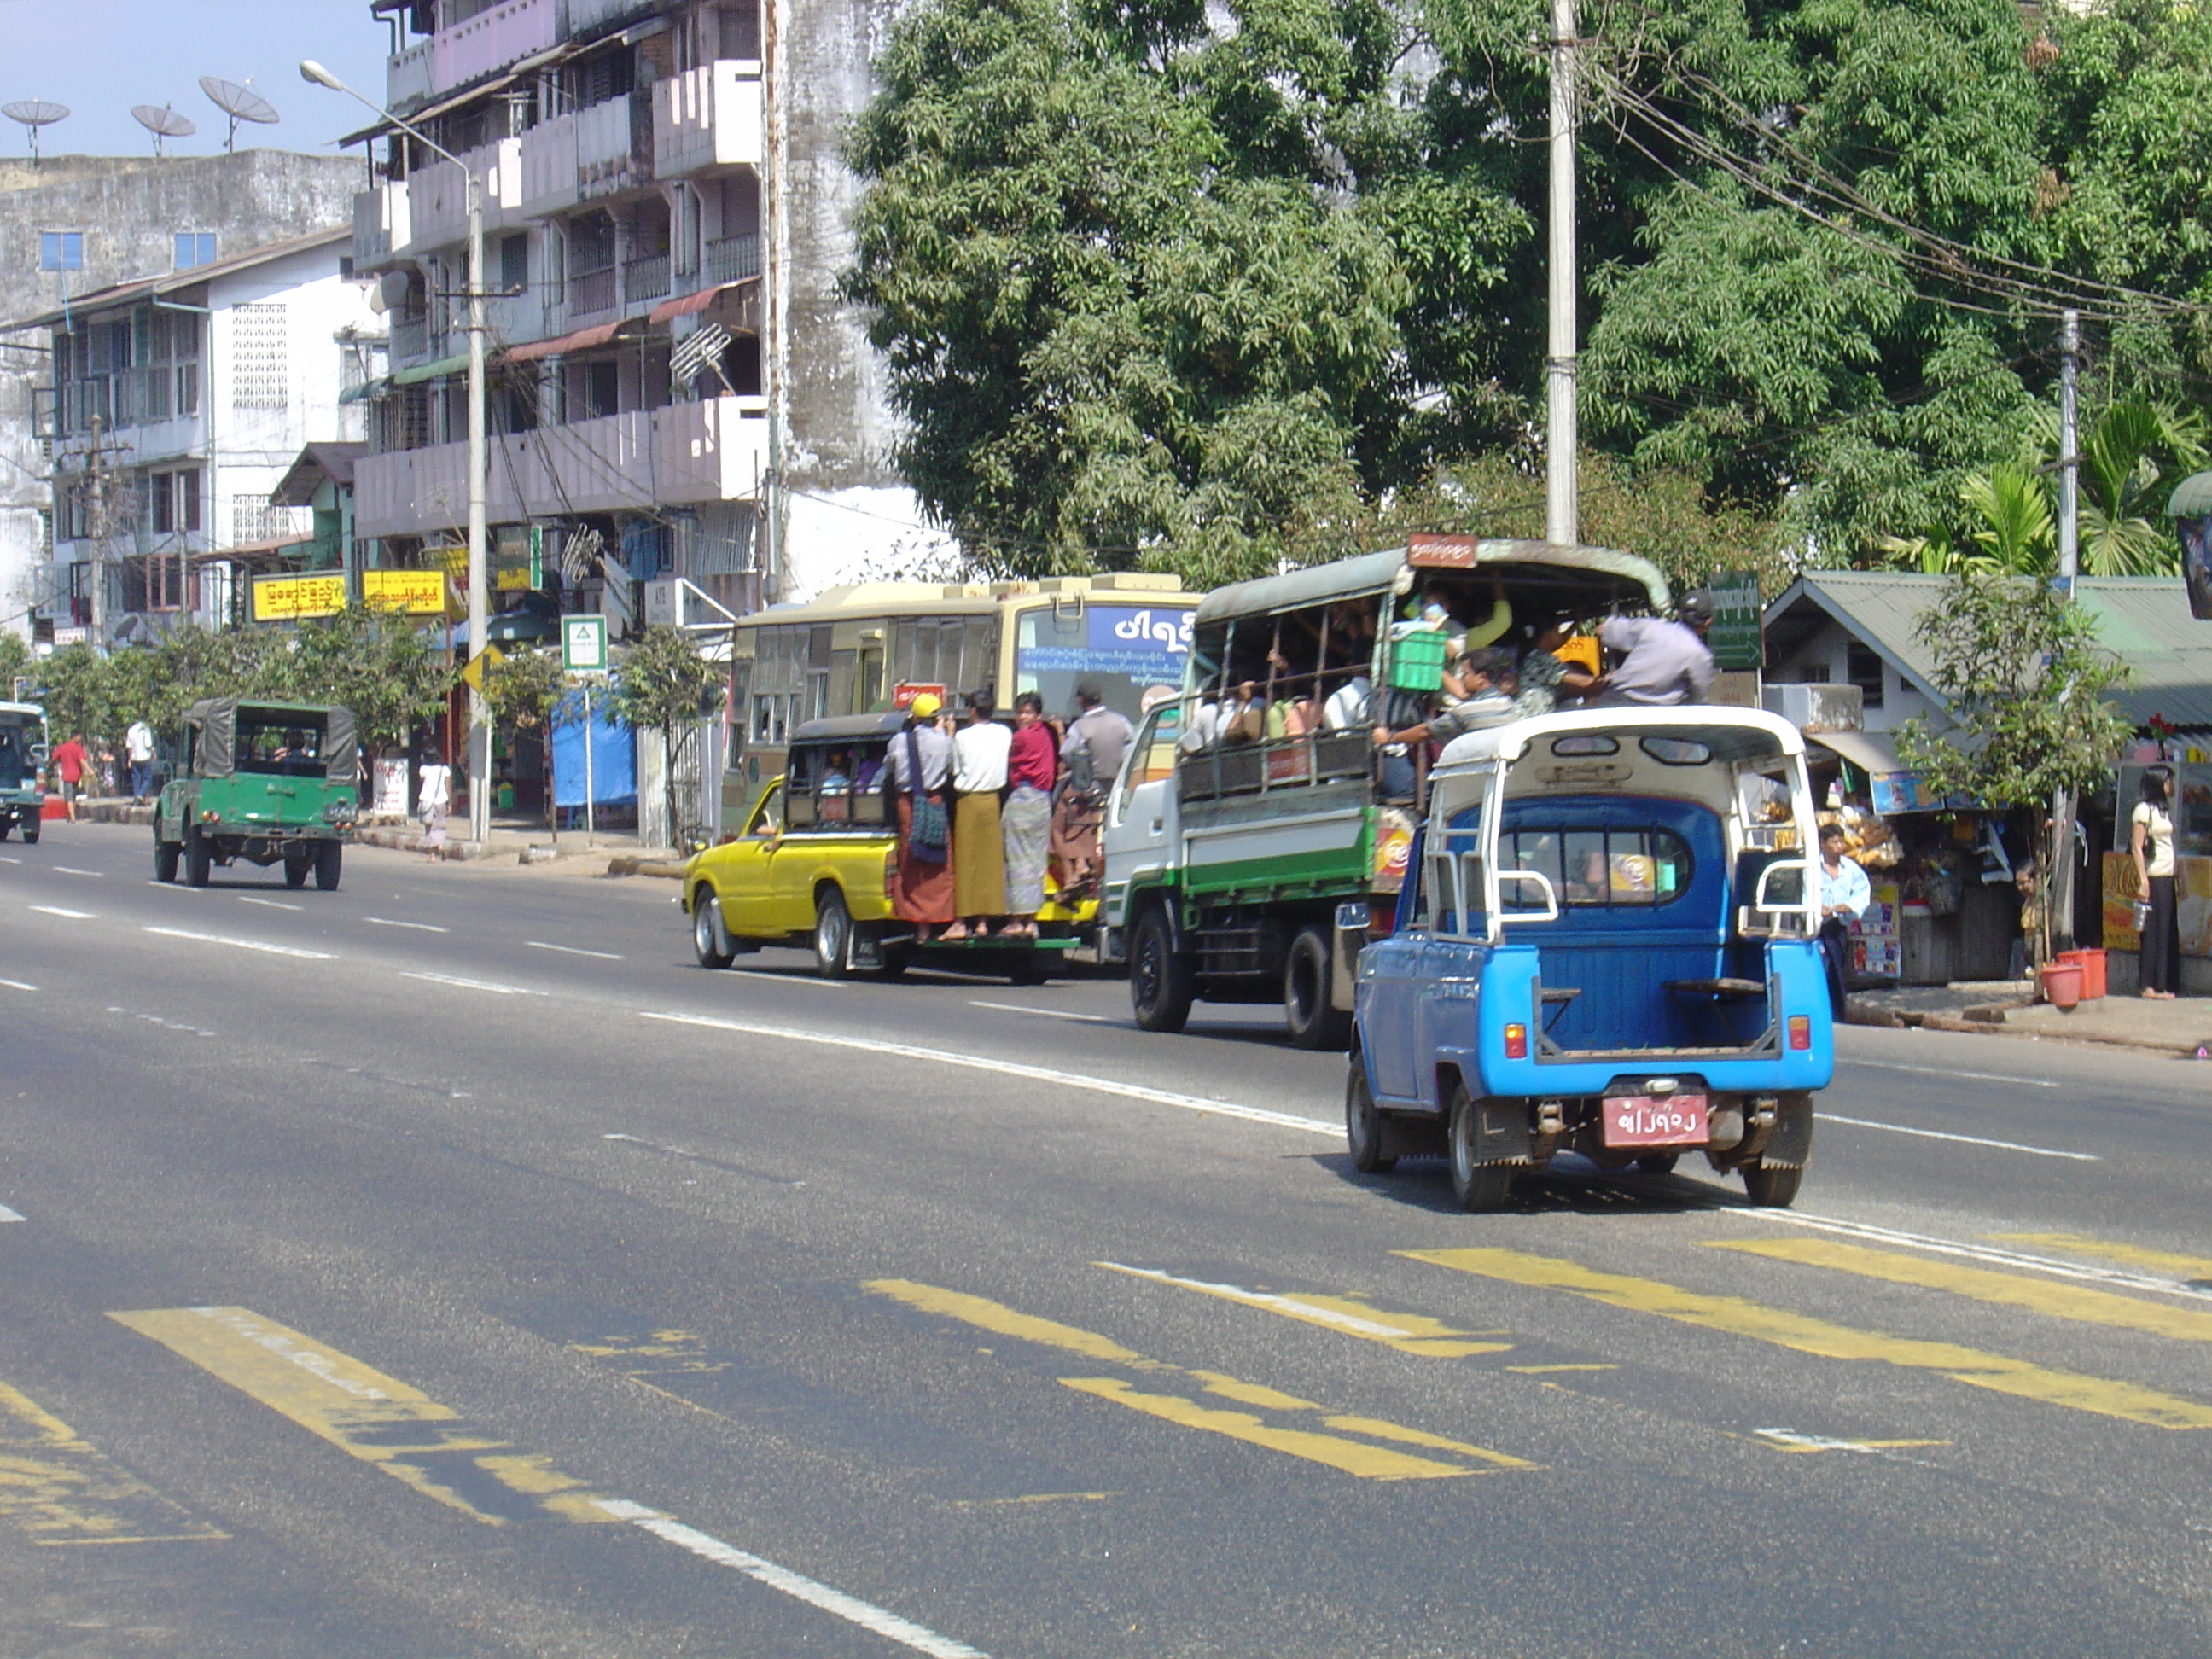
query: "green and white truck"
1256, 837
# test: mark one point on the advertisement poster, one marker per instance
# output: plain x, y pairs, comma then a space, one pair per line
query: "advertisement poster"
287, 598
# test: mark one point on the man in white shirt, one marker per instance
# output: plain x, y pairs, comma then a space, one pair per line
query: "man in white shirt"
1845, 895
979, 775
138, 750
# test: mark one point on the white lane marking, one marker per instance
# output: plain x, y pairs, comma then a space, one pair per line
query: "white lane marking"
571, 950
274, 904
1049, 1013
65, 870
2117, 1277
419, 927
851, 1608
1285, 1304
1969, 1140
57, 911
7, 1214
17, 985
242, 943
5, 859
1937, 1071
476, 984
1103, 1085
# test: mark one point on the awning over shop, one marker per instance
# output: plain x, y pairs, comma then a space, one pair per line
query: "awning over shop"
261, 555
693, 303
366, 389
1870, 752
1891, 785
456, 364
582, 340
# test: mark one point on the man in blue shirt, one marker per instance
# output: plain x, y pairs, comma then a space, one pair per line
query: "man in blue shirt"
1844, 895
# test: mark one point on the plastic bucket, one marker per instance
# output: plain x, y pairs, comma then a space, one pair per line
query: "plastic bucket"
2062, 984
2091, 961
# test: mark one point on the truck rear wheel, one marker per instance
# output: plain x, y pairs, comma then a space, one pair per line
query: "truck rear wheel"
1307, 971
833, 935
166, 854
1160, 988
1772, 1186
295, 869
329, 862
1363, 1124
1478, 1187
199, 858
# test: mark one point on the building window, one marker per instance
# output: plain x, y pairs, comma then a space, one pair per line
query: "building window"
175, 501
514, 264
153, 581
61, 250
1864, 669
1811, 673
194, 248
260, 358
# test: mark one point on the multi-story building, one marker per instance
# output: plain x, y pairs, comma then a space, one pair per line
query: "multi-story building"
179, 403
642, 381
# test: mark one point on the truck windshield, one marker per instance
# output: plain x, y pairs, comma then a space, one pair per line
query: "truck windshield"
289, 745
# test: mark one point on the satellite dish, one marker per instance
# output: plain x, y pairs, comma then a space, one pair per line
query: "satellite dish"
387, 291
240, 102
33, 114
162, 122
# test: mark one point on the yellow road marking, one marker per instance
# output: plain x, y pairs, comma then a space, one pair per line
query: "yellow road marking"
1408, 1332
1739, 1317
1369, 1463
1352, 1456
56, 1487
2073, 1302
2132, 1256
367, 1415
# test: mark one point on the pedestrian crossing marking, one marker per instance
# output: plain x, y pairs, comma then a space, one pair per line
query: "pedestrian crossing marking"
57, 1489
2071, 1302
1738, 1317
1336, 1451
2130, 1255
1408, 1332
367, 1415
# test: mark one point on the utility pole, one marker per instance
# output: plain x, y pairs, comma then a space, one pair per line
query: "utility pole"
96, 522
1561, 510
2061, 882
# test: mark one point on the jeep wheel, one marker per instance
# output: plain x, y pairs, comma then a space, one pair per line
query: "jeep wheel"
833, 935
1160, 988
6, 824
199, 858
31, 832
1362, 1123
710, 943
329, 862
1307, 972
1476, 1186
166, 854
295, 869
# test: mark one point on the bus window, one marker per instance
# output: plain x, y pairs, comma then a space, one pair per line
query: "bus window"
1127, 649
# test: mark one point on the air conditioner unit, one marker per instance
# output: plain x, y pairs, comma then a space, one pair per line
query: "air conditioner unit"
1817, 708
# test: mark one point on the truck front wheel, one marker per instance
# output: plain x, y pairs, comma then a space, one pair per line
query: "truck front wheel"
166, 854
1477, 1187
1160, 989
1307, 973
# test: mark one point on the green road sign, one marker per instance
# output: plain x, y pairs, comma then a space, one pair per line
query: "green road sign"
584, 644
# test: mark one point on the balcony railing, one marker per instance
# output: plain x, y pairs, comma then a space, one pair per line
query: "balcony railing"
381, 223
731, 258
646, 278
411, 338
491, 40
707, 117
592, 290
439, 200
682, 455
597, 150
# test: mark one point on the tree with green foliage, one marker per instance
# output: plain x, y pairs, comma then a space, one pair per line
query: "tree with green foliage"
391, 670
662, 684
2024, 678
15, 662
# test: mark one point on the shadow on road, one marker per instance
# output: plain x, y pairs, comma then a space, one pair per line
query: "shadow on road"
1571, 1184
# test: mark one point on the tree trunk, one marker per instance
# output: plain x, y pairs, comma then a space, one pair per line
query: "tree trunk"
668, 783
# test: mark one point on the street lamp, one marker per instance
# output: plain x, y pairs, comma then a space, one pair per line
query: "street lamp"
479, 747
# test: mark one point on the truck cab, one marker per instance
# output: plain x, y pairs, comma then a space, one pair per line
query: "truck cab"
1605, 944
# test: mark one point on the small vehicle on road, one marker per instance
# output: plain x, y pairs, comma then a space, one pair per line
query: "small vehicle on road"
1605, 944
812, 865
268, 782
23, 759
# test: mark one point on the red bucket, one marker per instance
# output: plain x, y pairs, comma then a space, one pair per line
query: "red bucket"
2091, 964
2062, 984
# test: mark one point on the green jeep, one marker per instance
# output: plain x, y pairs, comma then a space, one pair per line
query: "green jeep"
22, 753
262, 781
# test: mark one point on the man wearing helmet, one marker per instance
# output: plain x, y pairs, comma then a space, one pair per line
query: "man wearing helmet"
1660, 661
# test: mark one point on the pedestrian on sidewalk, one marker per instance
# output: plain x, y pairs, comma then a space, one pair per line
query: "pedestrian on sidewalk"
1845, 895
72, 763
138, 750
437, 794
2153, 845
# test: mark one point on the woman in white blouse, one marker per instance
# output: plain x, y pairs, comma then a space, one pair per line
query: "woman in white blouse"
2153, 842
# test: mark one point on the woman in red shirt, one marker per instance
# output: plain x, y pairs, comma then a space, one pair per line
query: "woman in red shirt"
1025, 821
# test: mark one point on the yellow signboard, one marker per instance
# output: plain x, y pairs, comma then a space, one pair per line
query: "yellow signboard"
287, 598
473, 671
421, 593
453, 560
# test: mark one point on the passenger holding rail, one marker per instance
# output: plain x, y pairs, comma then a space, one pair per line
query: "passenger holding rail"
980, 752
1025, 821
1662, 662
916, 772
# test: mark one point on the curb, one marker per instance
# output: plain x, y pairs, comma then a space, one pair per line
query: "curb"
635, 865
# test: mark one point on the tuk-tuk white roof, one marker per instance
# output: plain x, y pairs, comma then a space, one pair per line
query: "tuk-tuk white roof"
1711, 724
1373, 572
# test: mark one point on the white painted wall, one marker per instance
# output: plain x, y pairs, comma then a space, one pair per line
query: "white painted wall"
833, 537
1827, 649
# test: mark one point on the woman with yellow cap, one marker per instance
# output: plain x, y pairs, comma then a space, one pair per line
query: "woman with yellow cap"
916, 775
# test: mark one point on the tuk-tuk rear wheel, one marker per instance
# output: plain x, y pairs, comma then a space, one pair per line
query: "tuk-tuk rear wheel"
1478, 1187
1772, 1186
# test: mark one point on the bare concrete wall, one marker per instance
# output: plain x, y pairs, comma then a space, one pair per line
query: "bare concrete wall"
128, 209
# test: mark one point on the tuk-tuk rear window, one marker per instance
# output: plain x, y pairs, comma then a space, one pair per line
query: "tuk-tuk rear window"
830, 787
284, 744
1613, 868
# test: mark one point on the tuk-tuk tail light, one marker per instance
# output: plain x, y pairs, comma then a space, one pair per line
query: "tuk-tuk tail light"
1801, 1032
1516, 1042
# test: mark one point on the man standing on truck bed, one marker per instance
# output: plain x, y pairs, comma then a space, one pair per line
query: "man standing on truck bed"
1090, 759
1662, 662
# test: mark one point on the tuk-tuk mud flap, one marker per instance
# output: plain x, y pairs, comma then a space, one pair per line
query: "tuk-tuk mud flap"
1503, 1126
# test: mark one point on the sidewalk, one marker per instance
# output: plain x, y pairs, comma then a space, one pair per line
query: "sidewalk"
2008, 1008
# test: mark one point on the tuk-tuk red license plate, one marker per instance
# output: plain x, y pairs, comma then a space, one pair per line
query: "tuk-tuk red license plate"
1655, 1119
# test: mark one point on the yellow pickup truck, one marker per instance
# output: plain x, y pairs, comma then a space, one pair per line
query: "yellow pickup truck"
811, 863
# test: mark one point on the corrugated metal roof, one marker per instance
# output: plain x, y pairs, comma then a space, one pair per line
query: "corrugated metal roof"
2144, 621
2192, 497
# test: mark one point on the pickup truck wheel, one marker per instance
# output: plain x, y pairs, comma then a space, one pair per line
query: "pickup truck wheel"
833, 935
1478, 1187
199, 858
1160, 989
1363, 1124
30, 832
710, 941
6, 824
166, 854
295, 869
1771, 1187
1306, 973
330, 860
1657, 1162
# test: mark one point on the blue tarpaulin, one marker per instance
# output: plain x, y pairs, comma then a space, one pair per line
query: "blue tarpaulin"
614, 755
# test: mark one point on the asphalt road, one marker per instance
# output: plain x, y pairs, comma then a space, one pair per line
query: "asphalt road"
447, 1265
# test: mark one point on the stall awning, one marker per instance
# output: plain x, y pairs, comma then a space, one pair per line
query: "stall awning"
691, 302
1872, 752
456, 364
582, 340
366, 389
2192, 498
